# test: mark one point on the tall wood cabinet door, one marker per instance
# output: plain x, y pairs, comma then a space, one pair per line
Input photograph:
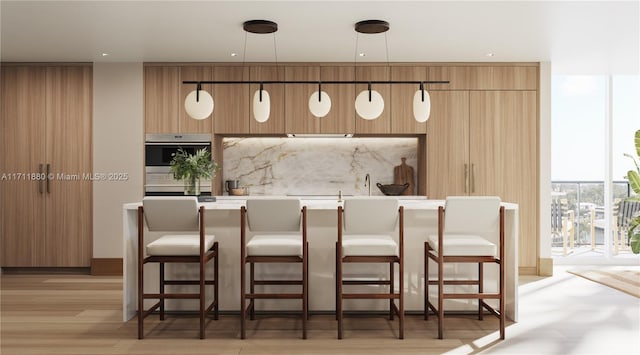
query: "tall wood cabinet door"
161, 93
69, 194
504, 158
187, 124
402, 119
448, 145
231, 101
341, 117
22, 214
382, 124
275, 123
298, 118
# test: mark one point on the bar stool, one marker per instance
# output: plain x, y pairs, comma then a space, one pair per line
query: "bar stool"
280, 236
175, 214
469, 227
366, 236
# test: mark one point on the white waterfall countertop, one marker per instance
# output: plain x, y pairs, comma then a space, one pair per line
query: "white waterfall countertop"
322, 202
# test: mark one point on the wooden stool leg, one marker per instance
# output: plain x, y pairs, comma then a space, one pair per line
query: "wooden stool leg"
216, 284
243, 311
336, 278
161, 290
401, 291
480, 289
252, 305
391, 290
202, 297
305, 293
339, 293
426, 281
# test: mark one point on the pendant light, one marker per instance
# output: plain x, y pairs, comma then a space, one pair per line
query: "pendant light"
319, 103
261, 105
198, 104
369, 103
261, 98
421, 104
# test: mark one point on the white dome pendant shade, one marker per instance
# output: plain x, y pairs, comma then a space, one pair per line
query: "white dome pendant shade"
201, 108
421, 106
319, 104
369, 109
261, 107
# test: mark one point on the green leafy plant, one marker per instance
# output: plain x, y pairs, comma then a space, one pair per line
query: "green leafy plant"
193, 167
634, 182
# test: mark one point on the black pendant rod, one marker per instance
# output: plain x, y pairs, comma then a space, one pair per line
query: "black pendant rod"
315, 82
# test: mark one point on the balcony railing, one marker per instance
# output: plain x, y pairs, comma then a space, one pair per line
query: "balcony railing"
586, 200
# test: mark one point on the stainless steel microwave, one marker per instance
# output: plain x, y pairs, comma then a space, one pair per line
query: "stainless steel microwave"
159, 150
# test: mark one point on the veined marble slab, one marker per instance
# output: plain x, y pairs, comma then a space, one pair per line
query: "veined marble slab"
320, 166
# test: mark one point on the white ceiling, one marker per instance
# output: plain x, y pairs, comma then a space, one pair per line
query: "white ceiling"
579, 37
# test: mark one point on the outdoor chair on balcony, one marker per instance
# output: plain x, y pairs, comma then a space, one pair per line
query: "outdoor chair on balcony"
563, 224
623, 212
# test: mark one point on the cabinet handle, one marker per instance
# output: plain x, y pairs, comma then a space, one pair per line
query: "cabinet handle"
466, 178
473, 178
48, 171
41, 181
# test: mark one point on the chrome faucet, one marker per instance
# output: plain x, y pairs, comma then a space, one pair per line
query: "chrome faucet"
367, 182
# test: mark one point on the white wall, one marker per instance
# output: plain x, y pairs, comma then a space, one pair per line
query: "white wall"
117, 148
545, 160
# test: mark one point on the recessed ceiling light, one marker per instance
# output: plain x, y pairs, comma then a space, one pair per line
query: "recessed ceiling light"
234, 54
489, 54
105, 54
362, 54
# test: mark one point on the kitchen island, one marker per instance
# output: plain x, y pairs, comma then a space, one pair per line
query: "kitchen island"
222, 218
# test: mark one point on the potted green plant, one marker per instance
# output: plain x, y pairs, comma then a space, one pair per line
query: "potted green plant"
634, 182
193, 167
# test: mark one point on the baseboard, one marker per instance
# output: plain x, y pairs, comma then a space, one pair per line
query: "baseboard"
28, 270
106, 266
546, 266
527, 270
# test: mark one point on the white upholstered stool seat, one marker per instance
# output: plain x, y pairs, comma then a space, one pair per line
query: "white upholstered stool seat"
463, 244
176, 244
369, 245
275, 244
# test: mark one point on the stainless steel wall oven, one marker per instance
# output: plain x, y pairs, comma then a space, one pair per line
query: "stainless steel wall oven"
158, 152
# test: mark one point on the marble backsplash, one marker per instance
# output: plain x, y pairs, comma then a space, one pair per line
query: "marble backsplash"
315, 166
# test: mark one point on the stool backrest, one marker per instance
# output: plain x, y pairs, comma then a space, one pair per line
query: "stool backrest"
274, 215
478, 215
171, 213
370, 215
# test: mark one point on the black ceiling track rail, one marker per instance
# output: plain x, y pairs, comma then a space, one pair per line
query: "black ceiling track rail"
416, 82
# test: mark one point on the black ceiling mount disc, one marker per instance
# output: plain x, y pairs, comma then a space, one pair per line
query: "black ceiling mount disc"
260, 26
372, 26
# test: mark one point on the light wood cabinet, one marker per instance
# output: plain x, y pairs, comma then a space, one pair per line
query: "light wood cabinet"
341, 117
46, 127
298, 118
231, 101
448, 145
186, 124
504, 158
161, 92
382, 124
23, 151
402, 119
275, 124
484, 77
485, 143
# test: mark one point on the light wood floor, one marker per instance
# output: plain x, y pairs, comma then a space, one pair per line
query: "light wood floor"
71, 314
